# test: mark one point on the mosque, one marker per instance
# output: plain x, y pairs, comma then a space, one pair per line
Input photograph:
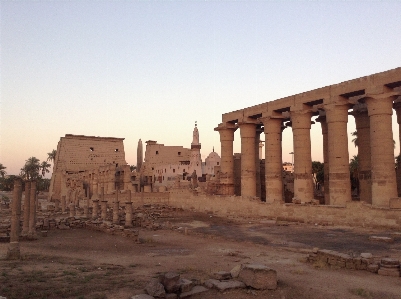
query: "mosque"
163, 164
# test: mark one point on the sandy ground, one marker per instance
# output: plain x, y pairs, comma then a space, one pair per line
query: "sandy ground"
81, 263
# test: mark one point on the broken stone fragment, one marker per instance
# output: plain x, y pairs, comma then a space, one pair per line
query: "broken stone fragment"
185, 285
155, 288
235, 271
224, 285
222, 275
195, 290
366, 255
258, 276
389, 262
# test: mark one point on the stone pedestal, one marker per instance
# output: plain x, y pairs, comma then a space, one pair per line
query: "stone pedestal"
27, 204
248, 171
32, 212
364, 160
339, 176
13, 251
226, 132
384, 185
273, 163
303, 184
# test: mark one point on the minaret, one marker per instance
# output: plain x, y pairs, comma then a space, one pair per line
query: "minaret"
139, 156
196, 160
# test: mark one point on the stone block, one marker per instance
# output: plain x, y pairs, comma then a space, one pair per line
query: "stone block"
185, 285
258, 276
381, 239
389, 272
225, 285
170, 281
155, 288
195, 290
389, 262
373, 268
142, 296
366, 255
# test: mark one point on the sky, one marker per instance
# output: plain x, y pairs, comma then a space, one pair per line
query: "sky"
150, 69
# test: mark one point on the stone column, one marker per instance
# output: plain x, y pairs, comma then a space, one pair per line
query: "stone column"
56, 205
27, 203
32, 211
13, 252
248, 171
128, 210
95, 194
72, 209
303, 183
103, 206
63, 204
226, 132
95, 208
257, 161
323, 123
384, 185
116, 206
364, 156
273, 163
339, 176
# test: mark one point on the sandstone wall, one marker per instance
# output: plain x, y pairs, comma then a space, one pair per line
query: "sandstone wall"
354, 214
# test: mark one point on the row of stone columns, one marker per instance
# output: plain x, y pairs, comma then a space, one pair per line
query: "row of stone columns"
376, 153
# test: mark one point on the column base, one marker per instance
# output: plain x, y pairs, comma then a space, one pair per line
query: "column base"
13, 252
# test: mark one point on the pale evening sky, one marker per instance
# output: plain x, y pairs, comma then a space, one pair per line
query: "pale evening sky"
150, 69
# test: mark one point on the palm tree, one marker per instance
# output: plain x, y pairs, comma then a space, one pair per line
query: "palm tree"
45, 167
317, 172
31, 168
355, 140
2, 171
51, 156
354, 172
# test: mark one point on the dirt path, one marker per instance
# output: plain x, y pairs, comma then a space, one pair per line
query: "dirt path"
93, 265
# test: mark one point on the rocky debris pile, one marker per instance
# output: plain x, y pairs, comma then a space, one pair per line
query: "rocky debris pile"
170, 285
365, 261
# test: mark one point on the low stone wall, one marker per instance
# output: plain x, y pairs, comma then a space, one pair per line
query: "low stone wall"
354, 214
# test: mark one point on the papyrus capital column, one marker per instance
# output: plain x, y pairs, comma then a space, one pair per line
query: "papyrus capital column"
226, 132
273, 163
303, 184
248, 169
339, 176
362, 123
384, 185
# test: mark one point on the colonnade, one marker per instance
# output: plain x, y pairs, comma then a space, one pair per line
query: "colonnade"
372, 109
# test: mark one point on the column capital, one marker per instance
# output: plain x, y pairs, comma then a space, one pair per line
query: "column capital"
301, 119
336, 113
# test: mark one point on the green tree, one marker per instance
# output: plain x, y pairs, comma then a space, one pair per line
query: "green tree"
44, 166
7, 183
2, 171
132, 168
31, 168
51, 156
